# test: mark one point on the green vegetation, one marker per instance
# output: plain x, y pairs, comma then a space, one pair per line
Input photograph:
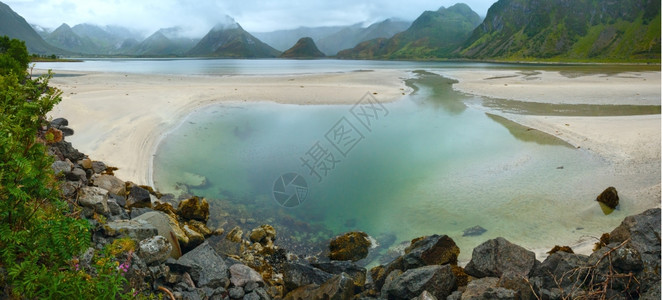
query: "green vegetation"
304, 48
40, 237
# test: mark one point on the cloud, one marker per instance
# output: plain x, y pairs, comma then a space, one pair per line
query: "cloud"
198, 17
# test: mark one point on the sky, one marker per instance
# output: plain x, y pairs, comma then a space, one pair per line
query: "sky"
197, 17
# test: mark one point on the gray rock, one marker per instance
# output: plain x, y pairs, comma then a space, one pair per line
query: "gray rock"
137, 212
457, 295
57, 122
165, 228
77, 174
236, 293
496, 257
643, 230
138, 197
388, 282
205, 267
94, 198
136, 230
251, 286
98, 167
296, 275
66, 131
425, 295
556, 271
110, 183
339, 287
155, 250
64, 150
115, 208
474, 231
241, 274
62, 166
69, 189
357, 273
486, 288
252, 296
437, 280
430, 250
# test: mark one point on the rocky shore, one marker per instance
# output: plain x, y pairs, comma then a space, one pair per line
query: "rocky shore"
170, 249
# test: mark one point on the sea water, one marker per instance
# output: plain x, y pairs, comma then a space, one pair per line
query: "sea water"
434, 162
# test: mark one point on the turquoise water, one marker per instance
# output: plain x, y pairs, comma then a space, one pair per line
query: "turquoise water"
435, 163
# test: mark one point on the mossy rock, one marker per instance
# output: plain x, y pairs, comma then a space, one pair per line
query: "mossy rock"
609, 197
352, 246
194, 209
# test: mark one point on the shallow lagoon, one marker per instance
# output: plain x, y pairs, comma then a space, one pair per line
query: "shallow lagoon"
433, 162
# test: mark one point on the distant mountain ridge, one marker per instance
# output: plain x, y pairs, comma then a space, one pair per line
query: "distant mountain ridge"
65, 38
232, 42
434, 34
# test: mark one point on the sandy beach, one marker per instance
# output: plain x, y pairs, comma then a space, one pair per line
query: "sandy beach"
120, 118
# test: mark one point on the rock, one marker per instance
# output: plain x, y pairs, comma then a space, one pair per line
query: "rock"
138, 197
168, 228
64, 150
339, 287
487, 288
241, 274
95, 198
66, 131
643, 231
496, 257
430, 250
86, 163
437, 280
357, 273
57, 122
457, 295
62, 167
77, 174
69, 189
556, 270
155, 250
115, 208
474, 231
609, 197
194, 209
236, 293
296, 275
350, 246
263, 234
136, 230
234, 235
110, 183
199, 227
425, 295
194, 238
137, 212
98, 167
206, 267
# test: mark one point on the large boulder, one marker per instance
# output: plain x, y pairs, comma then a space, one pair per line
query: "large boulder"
62, 167
94, 198
643, 232
64, 150
497, 257
357, 273
194, 209
339, 287
487, 288
350, 246
296, 275
168, 228
138, 197
430, 250
241, 274
110, 183
557, 271
206, 267
155, 249
136, 230
609, 197
437, 280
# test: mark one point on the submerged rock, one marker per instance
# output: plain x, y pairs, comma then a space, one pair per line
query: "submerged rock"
352, 246
474, 231
609, 197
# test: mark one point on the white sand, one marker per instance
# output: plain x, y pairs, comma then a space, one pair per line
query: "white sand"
120, 118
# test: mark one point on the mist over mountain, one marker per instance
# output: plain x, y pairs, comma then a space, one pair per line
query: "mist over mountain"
165, 42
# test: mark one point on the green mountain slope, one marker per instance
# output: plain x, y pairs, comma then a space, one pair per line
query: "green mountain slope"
304, 48
14, 26
624, 30
232, 42
64, 37
352, 35
434, 34
159, 44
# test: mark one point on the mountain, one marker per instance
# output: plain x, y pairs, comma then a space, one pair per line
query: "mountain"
42, 31
159, 44
108, 39
304, 48
558, 29
232, 41
15, 26
434, 34
284, 39
350, 36
64, 37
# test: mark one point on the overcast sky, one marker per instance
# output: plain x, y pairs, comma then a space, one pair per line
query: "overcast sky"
198, 16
